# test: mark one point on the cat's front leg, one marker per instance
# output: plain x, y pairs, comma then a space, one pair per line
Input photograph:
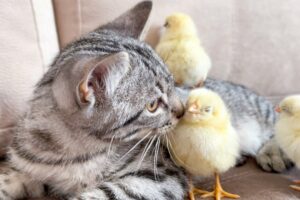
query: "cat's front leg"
16, 185
171, 185
271, 158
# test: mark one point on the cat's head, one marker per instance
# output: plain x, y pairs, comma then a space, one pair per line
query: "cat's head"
111, 84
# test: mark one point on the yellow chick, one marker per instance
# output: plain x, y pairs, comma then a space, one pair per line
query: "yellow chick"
287, 130
182, 52
204, 141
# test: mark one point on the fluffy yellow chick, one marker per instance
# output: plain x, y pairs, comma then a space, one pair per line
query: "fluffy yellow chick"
287, 130
204, 142
182, 52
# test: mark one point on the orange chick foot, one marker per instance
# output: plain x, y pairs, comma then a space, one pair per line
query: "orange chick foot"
295, 187
194, 191
218, 192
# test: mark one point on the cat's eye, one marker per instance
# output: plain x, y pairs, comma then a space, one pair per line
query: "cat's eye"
152, 107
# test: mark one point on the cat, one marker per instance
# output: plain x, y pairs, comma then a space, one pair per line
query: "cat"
96, 122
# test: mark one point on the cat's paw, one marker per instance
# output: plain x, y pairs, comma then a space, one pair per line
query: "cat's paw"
10, 187
15, 185
272, 159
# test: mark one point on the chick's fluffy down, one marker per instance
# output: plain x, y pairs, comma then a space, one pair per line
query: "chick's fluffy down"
186, 60
288, 137
203, 151
181, 50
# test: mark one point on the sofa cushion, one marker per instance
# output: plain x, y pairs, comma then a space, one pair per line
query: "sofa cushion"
26, 50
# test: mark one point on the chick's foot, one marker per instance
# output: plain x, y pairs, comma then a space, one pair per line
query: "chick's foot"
296, 187
218, 192
194, 191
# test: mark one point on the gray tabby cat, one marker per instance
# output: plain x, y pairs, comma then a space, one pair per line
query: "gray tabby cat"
96, 121
97, 118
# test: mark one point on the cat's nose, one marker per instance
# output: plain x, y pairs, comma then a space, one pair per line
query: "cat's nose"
178, 109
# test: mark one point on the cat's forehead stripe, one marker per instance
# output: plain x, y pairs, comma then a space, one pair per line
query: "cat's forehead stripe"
104, 43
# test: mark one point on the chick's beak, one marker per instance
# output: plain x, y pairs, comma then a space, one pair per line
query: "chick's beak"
193, 109
278, 109
166, 24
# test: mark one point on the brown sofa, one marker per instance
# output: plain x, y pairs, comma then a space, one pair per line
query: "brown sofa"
256, 43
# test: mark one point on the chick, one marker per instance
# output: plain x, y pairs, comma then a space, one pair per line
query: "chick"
204, 141
287, 129
182, 52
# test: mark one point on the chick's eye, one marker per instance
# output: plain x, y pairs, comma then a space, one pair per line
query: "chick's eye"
152, 107
207, 109
286, 109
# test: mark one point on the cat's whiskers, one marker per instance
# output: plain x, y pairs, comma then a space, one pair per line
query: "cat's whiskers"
168, 144
110, 144
172, 136
167, 141
170, 147
139, 142
145, 151
157, 146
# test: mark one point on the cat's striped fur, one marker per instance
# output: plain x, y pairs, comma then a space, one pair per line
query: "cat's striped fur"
88, 133
99, 142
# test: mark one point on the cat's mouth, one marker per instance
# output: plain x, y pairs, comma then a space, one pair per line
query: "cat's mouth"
166, 128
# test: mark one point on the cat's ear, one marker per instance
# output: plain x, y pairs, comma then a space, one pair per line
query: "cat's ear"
103, 78
132, 23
